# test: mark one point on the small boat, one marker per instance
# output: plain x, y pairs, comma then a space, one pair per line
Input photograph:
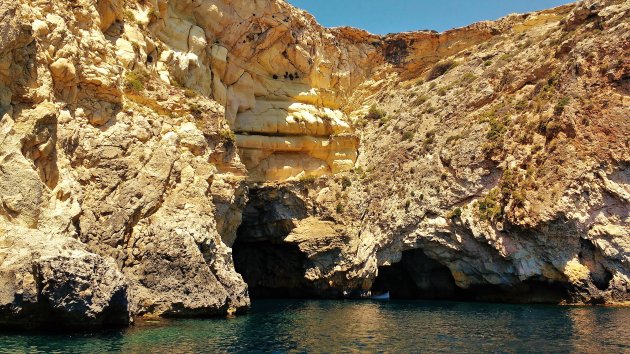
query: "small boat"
383, 296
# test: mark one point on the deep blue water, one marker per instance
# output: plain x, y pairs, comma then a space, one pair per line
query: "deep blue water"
360, 326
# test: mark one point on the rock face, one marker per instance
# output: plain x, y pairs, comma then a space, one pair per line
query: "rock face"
54, 282
145, 142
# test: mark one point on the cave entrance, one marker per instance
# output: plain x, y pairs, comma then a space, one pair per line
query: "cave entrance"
416, 276
270, 266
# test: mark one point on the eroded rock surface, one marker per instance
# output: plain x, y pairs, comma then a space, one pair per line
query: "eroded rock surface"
133, 133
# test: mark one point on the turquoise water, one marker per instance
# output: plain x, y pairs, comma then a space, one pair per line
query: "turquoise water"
360, 326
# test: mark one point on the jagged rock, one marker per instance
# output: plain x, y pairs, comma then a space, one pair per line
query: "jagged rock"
52, 282
133, 131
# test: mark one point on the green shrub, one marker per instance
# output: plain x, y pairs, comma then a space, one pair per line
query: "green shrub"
339, 208
375, 113
498, 128
228, 135
489, 207
134, 80
190, 93
440, 69
429, 139
559, 108
408, 135
129, 16
307, 178
420, 100
345, 182
468, 78
456, 137
454, 214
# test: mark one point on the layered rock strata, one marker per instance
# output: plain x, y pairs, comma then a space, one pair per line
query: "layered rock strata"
491, 159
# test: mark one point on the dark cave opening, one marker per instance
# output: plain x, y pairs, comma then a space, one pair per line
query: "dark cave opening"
275, 268
270, 266
417, 276
271, 269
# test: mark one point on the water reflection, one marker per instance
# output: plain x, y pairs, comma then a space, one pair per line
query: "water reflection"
363, 326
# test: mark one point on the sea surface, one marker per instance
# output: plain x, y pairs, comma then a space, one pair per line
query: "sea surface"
359, 326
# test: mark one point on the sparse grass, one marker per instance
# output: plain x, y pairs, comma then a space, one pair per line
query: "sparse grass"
489, 207
307, 178
498, 128
345, 182
440, 69
228, 135
420, 100
429, 139
134, 80
190, 93
467, 78
456, 137
375, 113
521, 105
559, 108
454, 214
408, 135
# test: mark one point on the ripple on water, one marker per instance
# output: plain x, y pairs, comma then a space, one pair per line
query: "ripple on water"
365, 326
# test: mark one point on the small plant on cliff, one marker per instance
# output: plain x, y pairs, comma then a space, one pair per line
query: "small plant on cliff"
408, 135
375, 113
228, 135
307, 178
134, 80
559, 108
345, 182
454, 214
498, 128
467, 78
420, 100
440, 69
190, 93
454, 138
129, 16
339, 208
195, 109
489, 207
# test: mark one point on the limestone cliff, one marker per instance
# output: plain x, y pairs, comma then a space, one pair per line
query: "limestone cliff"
145, 142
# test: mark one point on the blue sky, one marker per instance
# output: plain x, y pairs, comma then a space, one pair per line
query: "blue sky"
387, 16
